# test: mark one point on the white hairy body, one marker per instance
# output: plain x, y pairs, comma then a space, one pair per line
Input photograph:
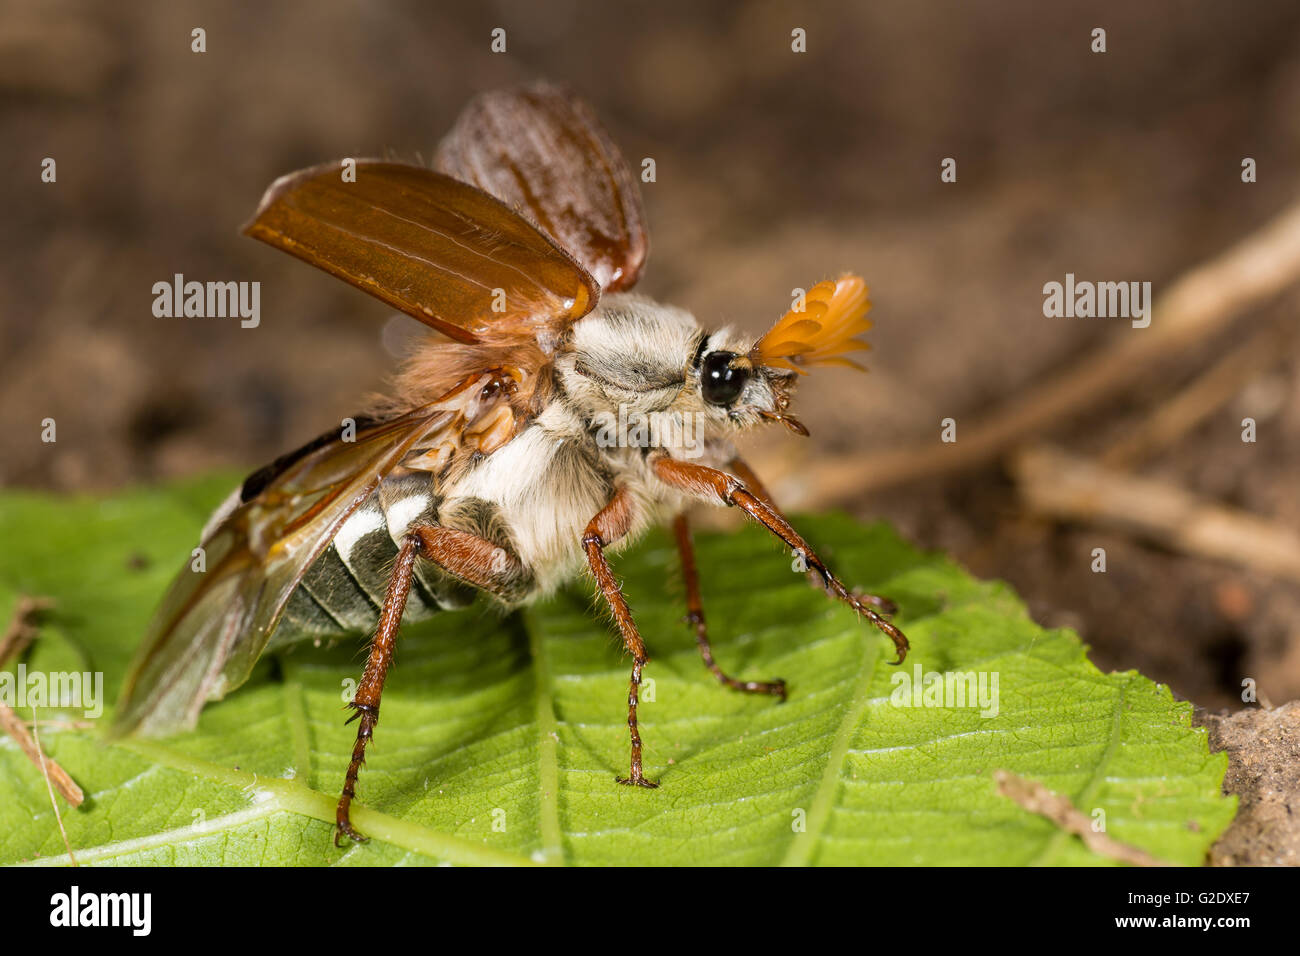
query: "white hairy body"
534, 497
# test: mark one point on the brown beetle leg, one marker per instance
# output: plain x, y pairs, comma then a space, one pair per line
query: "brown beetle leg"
740, 468
710, 484
609, 525
695, 617
466, 556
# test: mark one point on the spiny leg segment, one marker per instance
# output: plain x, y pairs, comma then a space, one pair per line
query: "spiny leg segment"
466, 556
695, 617
710, 484
609, 525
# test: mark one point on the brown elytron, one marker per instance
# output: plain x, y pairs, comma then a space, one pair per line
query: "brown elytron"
504, 464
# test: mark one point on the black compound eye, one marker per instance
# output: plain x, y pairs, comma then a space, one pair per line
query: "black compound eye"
720, 383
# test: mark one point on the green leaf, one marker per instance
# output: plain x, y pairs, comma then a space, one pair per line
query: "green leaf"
501, 736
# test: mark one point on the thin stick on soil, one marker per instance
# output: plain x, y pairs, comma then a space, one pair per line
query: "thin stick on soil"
1058, 485
1176, 417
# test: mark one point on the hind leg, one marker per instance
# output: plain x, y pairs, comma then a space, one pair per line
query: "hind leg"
472, 559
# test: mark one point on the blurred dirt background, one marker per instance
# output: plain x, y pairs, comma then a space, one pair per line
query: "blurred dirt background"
775, 170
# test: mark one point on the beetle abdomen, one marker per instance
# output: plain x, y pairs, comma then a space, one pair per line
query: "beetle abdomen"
343, 590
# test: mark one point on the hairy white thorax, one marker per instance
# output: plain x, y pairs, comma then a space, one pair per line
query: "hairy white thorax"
624, 392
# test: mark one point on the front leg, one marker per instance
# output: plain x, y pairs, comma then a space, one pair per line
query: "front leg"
740, 468
710, 484
610, 524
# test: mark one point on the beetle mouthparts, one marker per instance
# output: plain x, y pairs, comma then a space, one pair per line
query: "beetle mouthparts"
789, 421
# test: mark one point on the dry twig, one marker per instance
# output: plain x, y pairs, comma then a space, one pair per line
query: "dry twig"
1058, 485
15, 728
47, 771
22, 626
1197, 401
20, 632
1036, 798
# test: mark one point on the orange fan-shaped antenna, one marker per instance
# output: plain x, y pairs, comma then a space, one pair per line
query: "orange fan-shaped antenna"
834, 313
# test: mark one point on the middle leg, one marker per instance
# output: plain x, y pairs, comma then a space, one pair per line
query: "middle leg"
695, 617
610, 524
